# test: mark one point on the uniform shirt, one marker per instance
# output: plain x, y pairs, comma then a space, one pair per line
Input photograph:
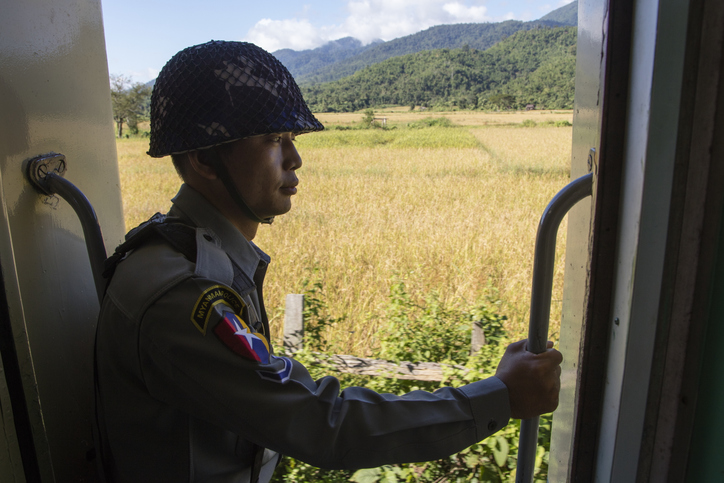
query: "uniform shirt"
188, 385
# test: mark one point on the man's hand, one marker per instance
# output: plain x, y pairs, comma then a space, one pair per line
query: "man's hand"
533, 380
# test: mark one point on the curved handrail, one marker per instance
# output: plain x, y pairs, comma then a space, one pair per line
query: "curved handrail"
45, 174
540, 303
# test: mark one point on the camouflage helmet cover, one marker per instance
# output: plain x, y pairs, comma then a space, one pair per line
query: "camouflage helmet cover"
222, 91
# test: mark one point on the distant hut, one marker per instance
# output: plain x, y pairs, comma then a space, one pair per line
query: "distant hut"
530, 107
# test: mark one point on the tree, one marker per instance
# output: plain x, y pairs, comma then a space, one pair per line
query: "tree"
130, 102
368, 118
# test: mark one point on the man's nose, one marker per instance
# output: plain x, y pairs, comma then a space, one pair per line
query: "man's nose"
292, 160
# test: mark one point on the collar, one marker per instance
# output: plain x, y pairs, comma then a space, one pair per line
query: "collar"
189, 204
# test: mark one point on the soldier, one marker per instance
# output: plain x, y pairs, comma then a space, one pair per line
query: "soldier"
189, 388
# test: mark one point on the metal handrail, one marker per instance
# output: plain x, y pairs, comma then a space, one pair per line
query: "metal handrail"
45, 173
540, 304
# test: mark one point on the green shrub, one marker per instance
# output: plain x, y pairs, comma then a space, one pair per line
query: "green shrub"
433, 137
431, 122
369, 117
423, 330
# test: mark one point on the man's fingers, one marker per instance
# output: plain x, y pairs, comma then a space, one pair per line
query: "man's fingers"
533, 380
555, 355
518, 346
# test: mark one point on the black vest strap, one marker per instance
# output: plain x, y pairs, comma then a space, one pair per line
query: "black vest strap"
177, 234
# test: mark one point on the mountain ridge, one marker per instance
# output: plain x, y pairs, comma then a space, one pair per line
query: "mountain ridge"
343, 57
529, 67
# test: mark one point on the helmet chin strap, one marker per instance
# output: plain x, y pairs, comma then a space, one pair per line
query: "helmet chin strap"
223, 174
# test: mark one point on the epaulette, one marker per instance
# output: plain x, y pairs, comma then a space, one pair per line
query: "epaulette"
172, 230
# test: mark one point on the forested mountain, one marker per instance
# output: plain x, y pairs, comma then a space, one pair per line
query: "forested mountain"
478, 36
305, 62
529, 67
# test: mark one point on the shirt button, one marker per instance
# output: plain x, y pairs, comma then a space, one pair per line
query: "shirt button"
492, 425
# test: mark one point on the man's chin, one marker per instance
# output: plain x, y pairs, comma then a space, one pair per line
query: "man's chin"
280, 210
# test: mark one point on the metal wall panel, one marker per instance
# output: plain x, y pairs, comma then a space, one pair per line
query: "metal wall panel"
54, 96
586, 135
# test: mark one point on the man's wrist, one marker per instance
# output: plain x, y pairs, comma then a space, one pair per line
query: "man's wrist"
490, 404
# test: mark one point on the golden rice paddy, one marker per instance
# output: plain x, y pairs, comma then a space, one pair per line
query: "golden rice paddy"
451, 210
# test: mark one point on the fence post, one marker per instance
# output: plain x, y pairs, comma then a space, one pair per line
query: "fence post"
478, 337
294, 322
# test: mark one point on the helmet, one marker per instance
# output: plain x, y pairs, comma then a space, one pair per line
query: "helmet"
221, 91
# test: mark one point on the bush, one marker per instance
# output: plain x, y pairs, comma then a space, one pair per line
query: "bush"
431, 122
369, 117
432, 137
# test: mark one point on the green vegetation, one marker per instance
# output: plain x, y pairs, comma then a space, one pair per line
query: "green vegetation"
418, 330
532, 67
431, 122
430, 137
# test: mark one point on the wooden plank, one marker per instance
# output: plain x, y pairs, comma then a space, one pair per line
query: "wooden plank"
417, 371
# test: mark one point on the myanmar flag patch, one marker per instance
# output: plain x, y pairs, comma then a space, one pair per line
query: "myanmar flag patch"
237, 336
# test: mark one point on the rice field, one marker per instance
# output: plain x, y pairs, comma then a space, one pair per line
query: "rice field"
452, 210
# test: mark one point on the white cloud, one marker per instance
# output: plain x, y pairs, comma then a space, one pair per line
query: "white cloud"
466, 14
388, 19
368, 20
291, 33
152, 73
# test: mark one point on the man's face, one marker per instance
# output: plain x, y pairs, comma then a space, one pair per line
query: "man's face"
263, 168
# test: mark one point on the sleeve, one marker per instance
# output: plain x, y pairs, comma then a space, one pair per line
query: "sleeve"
198, 354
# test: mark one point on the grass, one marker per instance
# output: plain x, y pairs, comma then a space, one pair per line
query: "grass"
452, 210
432, 137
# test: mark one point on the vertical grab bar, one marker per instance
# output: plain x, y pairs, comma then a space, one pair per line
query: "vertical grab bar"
45, 174
540, 303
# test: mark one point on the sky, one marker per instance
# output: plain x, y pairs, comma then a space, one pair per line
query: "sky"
141, 35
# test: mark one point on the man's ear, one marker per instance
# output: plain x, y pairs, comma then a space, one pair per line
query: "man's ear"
203, 169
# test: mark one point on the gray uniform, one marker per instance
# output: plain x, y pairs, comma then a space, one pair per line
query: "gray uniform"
189, 388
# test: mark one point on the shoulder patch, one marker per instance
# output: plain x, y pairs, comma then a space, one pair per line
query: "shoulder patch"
211, 297
237, 336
